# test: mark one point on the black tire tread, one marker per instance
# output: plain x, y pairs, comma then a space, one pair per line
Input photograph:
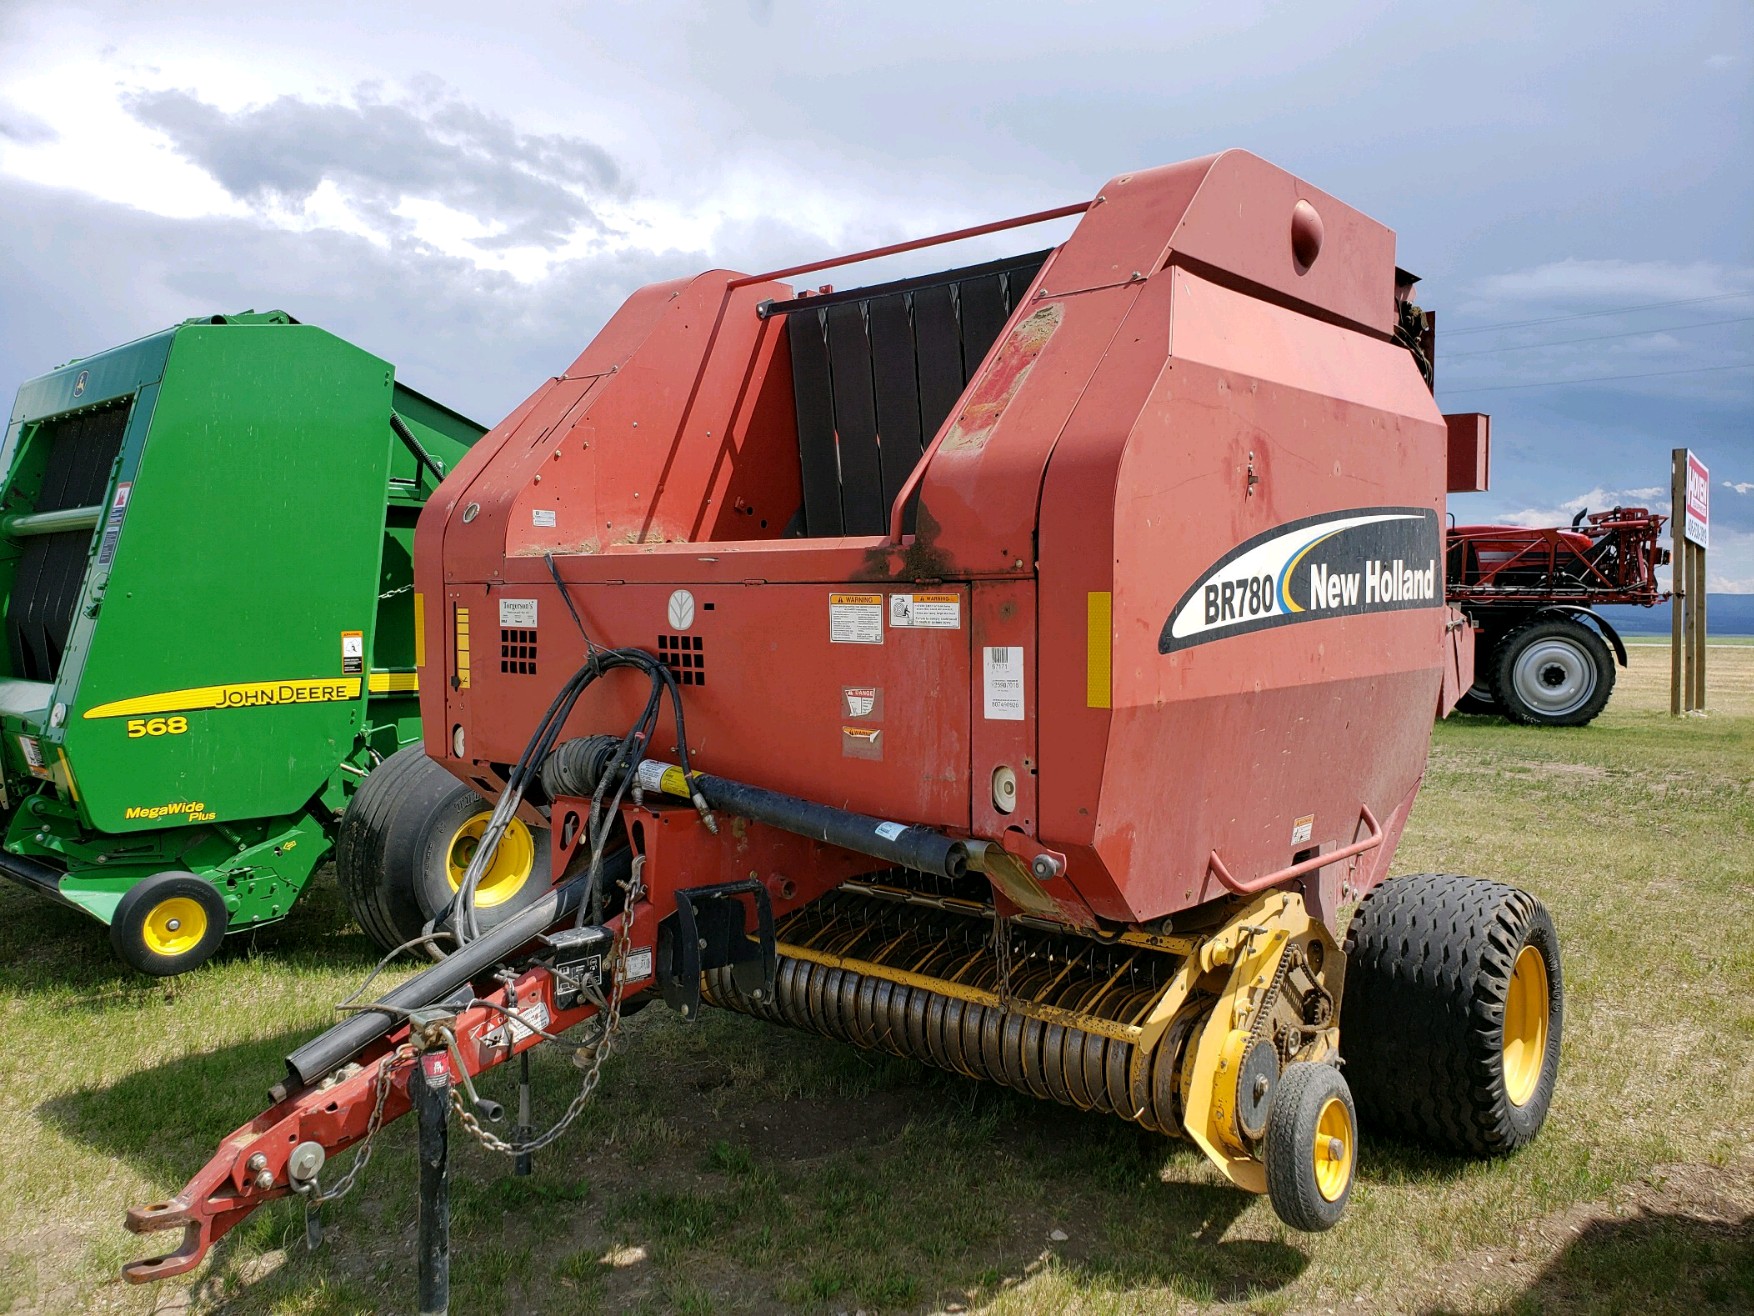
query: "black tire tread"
124, 935
388, 915
1303, 1089
1428, 962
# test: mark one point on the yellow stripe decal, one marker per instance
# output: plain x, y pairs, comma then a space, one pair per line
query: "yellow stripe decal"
243, 694
1098, 648
394, 683
462, 641
67, 775
419, 629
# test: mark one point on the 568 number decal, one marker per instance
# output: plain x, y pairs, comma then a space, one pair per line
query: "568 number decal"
141, 727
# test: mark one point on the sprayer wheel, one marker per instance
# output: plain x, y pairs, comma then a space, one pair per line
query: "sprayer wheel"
169, 923
405, 843
1478, 700
1453, 1012
1312, 1146
1553, 672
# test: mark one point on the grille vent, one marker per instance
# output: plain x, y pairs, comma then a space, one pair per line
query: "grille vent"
517, 651
685, 656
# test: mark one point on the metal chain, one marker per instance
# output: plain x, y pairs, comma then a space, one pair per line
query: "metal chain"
1269, 999
315, 1195
1002, 954
612, 1028
392, 593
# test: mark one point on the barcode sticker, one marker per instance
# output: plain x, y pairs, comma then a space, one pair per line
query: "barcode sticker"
1002, 683
106, 552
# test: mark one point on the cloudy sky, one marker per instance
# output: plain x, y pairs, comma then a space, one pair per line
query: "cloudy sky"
471, 190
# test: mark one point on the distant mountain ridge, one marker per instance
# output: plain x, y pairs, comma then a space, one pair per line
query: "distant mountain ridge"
1725, 614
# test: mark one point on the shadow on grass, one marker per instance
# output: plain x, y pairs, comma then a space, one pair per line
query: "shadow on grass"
750, 1168
1652, 1262
49, 949
167, 1120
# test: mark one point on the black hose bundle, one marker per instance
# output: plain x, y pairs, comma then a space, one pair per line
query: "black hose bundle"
613, 761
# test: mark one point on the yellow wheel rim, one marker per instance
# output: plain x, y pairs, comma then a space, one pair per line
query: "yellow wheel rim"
1526, 1007
175, 926
1333, 1149
513, 861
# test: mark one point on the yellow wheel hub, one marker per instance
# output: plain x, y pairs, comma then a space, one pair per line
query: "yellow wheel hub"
1333, 1149
513, 860
1526, 1007
175, 926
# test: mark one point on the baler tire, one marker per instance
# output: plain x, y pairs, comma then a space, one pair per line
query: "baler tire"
151, 929
392, 847
1432, 965
1311, 1113
1569, 642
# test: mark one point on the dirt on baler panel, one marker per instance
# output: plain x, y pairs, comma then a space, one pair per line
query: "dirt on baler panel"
1027, 668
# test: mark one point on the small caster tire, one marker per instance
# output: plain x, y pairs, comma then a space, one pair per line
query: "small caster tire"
1312, 1146
168, 924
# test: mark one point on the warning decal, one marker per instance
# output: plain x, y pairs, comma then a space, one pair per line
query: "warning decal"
352, 653
861, 742
936, 612
855, 618
862, 702
519, 1026
1002, 683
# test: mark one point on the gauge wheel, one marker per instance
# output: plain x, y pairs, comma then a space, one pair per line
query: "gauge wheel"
169, 923
1312, 1146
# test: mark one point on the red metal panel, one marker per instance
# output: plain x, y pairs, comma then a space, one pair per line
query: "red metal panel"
1470, 451
1259, 417
773, 706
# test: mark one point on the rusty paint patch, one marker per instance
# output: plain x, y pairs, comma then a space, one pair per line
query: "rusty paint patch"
1000, 382
920, 560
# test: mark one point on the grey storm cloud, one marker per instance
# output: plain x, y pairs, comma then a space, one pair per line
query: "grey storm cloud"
538, 188
477, 340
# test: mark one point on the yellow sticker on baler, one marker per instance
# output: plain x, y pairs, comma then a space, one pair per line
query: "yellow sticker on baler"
243, 694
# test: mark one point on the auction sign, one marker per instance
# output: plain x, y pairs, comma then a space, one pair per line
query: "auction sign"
1698, 501
1690, 494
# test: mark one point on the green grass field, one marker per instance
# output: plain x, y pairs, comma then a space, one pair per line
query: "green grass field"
729, 1166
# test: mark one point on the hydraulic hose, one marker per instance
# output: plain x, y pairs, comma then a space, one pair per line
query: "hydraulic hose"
324, 1054
901, 844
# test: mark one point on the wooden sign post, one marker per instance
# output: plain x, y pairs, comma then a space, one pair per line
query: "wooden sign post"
1690, 486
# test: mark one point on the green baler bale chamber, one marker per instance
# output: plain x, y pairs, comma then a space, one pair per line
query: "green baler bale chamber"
206, 544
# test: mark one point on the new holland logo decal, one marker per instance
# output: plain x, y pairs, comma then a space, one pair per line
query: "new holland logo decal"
1366, 559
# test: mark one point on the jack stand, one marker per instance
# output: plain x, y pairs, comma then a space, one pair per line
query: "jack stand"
431, 1091
524, 1131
